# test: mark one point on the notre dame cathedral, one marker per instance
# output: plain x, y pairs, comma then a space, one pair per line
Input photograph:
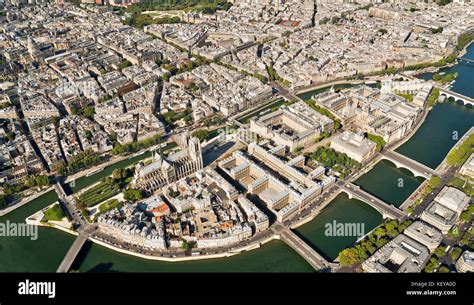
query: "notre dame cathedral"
165, 170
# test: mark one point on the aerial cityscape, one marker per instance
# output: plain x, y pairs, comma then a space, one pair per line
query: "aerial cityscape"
332, 136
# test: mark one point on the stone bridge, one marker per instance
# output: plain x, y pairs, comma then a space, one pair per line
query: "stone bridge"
458, 97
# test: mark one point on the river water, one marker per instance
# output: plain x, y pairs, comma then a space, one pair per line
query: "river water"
344, 211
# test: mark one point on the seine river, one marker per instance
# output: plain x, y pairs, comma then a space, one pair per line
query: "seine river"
447, 122
429, 146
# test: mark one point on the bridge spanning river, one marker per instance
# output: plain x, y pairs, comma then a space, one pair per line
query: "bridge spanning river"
85, 229
386, 209
468, 60
417, 168
457, 96
72, 254
317, 261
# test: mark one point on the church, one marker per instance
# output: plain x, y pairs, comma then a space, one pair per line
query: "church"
165, 170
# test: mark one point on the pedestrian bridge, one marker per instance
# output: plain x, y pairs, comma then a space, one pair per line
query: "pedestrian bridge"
415, 167
72, 254
458, 97
317, 261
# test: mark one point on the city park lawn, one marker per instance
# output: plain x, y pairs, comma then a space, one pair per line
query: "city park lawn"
98, 193
54, 213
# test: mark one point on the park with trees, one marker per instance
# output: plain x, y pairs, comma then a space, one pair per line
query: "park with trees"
340, 162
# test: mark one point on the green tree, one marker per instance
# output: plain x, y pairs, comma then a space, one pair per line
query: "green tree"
391, 225
455, 253
443, 269
378, 140
88, 112
11, 136
437, 30
380, 232
464, 40
124, 64
350, 256
467, 214
74, 110
186, 246
435, 181
432, 264
42, 180
88, 134
381, 242
166, 76
3, 201
133, 194
202, 134
440, 251
117, 173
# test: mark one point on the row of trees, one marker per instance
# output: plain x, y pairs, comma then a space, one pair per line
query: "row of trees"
371, 243
82, 160
215, 120
38, 181
378, 140
202, 134
140, 20
258, 76
324, 111
464, 40
273, 76
28, 182
441, 63
433, 98
122, 149
204, 6
459, 155
438, 254
445, 78
433, 183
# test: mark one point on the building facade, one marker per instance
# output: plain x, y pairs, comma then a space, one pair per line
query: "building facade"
165, 170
